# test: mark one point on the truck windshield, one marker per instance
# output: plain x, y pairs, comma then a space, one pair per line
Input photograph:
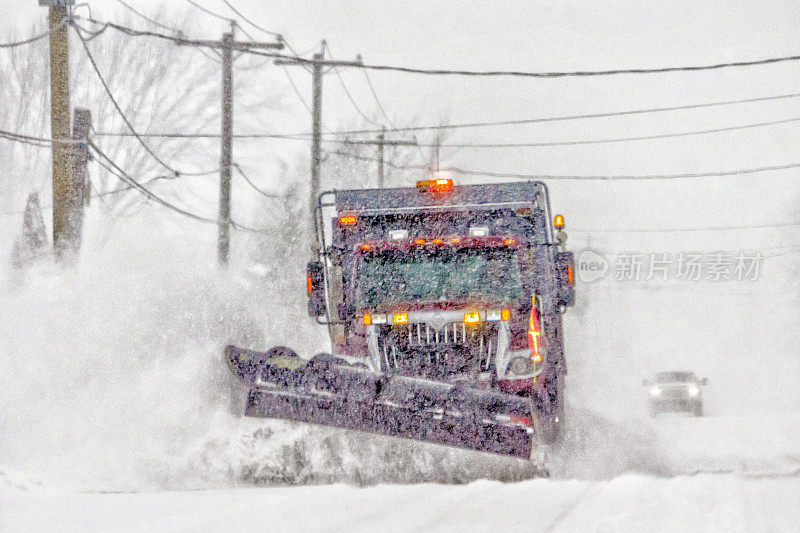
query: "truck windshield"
446, 275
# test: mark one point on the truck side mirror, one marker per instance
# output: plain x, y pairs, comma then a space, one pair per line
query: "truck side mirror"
316, 289
565, 278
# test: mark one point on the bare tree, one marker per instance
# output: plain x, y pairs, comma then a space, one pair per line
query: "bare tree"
158, 85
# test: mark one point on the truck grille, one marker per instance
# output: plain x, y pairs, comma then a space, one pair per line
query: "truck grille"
424, 334
454, 349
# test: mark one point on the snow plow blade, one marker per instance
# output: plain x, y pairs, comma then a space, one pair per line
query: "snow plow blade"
322, 392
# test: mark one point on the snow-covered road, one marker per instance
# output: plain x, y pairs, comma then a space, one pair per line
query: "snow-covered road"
116, 414
704, 502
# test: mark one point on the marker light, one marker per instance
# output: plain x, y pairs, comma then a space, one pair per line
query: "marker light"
558, 221
398, 234
437, 241
455, 240
400, 318
534, 332
310, 285
571, 274
347, 220
440, 185
478, 231
505, 314
366, 246
494, 315
655, 391
694, 390
419, 241
509, 241
472, 318
367, 319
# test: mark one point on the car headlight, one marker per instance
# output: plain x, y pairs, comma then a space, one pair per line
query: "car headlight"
693, 390
655, 391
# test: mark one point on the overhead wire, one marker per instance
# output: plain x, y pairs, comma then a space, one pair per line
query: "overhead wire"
126, 178
592, 177
38, 37
489, 73
581, 73
253, 185
301, 137
249, 21
169, 28
209, 12
615, 177
127, 121
602, 141
573, 117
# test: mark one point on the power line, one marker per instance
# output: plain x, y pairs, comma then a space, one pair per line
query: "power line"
531, 120
166, 27
297, 91
350, 97
148, 19
209, 12
253, 185
35, 37
377, 100
588, 177
126, 178
484, 73
253, 24
614, 177
581, 73
41, 142
125, 118
297, 137
605, 141
572, 117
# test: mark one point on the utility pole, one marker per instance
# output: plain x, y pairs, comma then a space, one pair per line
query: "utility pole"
81, 124
226, 150
59, 123
317, 63
228, 44
381, 142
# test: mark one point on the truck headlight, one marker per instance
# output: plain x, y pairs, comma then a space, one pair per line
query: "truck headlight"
655, 391
694, 390
521, 366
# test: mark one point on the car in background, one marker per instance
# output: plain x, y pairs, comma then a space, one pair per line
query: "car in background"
675, 391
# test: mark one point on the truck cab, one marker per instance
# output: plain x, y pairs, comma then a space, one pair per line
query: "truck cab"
445, 282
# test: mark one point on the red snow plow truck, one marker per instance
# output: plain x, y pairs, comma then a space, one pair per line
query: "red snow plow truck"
444, 306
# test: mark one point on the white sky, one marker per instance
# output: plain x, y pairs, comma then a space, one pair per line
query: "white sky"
561, 36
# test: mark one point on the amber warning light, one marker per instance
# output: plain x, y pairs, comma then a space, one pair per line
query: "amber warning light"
440, 185
347, 220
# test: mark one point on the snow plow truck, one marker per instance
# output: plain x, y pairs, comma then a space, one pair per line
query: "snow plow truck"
444, 306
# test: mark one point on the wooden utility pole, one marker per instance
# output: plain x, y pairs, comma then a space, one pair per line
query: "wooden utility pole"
59, 124
81, 124
381, 142
228, 44
226, 151
317, 63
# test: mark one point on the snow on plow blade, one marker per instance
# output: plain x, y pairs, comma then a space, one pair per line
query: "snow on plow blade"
320, 392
